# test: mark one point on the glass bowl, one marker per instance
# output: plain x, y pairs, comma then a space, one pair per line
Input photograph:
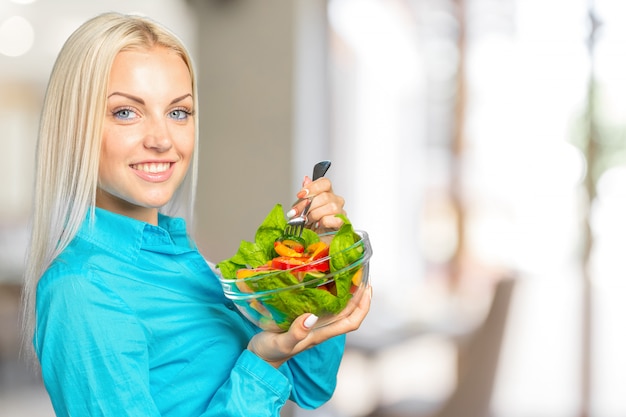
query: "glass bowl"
273, 300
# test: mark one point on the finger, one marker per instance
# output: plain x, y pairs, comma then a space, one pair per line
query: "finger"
298, 331
328, 223
356, 317
314, 188
324, 210
302, 326
298, 207
325, 206
311, 191
295, 340
303, 198
276, 348
319, 186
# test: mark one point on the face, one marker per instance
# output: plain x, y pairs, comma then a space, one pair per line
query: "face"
149, 130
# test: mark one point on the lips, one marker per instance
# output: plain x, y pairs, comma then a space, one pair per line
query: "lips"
154, 171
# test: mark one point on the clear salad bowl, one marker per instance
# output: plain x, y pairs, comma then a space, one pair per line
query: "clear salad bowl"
273, 299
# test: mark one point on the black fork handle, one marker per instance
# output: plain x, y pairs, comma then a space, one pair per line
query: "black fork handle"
319, 170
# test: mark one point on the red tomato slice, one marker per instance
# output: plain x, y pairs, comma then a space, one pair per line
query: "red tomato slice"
322, 266
286, 262
301, 264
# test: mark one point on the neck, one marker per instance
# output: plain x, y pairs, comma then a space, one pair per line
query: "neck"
117, 205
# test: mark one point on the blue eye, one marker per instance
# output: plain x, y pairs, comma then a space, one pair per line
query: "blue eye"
125, 114
179, 114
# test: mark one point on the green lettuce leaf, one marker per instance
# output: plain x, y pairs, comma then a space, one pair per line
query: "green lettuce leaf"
344, 251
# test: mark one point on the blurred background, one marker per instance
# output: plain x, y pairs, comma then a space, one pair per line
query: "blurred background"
479, 142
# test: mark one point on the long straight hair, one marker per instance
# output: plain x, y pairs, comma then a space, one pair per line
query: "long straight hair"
70, 135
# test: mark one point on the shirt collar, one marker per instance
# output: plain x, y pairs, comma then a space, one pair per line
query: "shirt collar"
128, 237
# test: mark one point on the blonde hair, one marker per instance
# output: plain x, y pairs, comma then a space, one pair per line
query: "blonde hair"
70, 133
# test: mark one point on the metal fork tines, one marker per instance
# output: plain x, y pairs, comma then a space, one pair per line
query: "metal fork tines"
296, 225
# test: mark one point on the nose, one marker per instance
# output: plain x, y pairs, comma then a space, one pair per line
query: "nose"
158, 136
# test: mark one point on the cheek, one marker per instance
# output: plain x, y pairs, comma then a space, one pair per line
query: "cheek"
110, 152
105, 166
109, 144
187, 146
189, 149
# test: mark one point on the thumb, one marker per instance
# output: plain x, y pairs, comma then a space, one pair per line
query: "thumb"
310, 321
302, 326
276, 348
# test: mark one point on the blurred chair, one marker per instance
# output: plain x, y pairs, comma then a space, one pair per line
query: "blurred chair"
479, 355
9, 331
288, 410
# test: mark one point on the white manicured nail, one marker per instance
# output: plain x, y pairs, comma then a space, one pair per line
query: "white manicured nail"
291, 213
310, 321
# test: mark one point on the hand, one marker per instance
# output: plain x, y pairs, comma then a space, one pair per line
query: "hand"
277, 348
324, 206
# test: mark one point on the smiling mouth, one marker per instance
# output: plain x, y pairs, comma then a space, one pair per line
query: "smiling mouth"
152, 167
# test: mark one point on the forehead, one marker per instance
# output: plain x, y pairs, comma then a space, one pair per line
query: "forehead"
158, 69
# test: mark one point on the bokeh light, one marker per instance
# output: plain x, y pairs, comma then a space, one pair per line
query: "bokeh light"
16, 36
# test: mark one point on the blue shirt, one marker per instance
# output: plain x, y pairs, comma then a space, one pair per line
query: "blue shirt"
132, 321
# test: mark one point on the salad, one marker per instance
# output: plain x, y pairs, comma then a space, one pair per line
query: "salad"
320, 272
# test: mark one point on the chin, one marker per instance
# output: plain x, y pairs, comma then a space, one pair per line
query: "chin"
157, 201
156, 204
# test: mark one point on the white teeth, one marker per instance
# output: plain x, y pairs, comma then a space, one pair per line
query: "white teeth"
153, 168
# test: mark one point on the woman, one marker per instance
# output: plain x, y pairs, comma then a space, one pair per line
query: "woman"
127, 317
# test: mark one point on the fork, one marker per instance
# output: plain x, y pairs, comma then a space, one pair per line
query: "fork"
295, 226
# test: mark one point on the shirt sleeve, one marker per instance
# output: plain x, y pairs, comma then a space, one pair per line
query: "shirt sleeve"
255, 388
313, 373
92, 350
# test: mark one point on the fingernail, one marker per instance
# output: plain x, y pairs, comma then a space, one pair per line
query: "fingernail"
303, 193
310, 321
291, 213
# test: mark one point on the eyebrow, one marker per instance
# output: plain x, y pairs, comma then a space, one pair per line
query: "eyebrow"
141, 101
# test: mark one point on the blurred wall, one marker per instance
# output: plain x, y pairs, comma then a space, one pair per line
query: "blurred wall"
254, 102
